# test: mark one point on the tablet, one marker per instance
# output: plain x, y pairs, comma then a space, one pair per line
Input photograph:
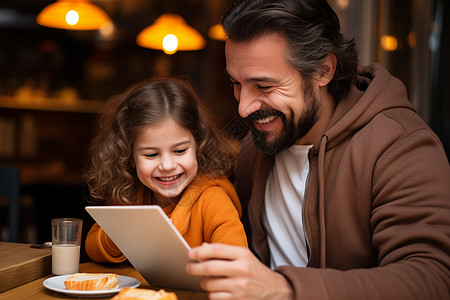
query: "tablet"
149, 240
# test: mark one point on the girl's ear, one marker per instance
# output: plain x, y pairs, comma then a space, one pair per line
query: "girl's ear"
327, 70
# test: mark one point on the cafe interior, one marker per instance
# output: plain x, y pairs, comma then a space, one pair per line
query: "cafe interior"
56, 75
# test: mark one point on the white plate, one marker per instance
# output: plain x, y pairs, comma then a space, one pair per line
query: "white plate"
57, 284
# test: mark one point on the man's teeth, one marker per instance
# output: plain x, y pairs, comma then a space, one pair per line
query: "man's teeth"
266, 120
169, 178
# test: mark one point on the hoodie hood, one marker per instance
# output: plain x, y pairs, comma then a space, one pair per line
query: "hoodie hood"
375, 91
354, 111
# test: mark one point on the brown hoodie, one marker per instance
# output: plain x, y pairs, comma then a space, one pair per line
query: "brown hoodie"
377, 204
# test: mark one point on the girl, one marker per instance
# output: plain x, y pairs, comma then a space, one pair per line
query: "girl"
156, 146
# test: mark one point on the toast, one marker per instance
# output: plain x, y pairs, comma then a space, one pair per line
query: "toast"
128, 293
92, 281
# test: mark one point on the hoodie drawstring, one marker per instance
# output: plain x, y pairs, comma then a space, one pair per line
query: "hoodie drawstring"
321, 171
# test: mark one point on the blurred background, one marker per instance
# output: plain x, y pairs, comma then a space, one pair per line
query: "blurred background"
54, 82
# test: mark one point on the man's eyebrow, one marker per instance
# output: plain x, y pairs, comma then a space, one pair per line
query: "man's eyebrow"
253, 80
262, 79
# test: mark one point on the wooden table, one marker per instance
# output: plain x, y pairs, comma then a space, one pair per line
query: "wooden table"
20, 264
36, 290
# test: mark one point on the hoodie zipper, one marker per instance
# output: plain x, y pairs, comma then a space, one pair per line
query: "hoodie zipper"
303, 211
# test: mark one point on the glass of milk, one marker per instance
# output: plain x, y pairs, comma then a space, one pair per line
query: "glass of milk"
66, 240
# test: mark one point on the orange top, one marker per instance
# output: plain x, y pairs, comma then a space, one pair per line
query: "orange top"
209, 211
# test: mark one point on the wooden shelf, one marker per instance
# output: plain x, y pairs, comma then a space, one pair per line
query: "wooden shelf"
52, 104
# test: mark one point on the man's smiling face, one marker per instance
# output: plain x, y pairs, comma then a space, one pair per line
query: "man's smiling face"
272, 95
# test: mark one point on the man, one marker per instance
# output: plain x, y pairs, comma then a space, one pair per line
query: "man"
347, 190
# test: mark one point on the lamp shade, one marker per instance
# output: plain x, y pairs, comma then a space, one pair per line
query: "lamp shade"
73, 14
170, 33
216, 32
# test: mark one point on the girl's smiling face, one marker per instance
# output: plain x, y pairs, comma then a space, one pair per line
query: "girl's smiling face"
165, 159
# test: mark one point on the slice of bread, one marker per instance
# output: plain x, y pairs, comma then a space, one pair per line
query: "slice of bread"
92, 281
128, 293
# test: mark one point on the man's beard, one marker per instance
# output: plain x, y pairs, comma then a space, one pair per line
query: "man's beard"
290, 132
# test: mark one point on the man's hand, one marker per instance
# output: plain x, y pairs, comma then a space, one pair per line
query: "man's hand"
231, 272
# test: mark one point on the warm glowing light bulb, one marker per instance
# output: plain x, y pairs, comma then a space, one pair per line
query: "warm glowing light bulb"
389, 42
107, 29
170, 44
72, 17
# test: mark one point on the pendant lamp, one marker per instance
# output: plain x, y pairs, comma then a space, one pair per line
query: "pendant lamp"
73, 15
216, 33
170, 33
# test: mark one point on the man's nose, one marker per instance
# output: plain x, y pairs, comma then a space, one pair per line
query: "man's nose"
249, 102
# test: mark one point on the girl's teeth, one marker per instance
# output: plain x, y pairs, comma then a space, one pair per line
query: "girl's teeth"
168, 178
266, 120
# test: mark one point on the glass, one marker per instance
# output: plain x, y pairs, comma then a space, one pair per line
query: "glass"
66, 240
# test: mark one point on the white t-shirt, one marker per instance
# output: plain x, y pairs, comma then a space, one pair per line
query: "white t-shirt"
283, 216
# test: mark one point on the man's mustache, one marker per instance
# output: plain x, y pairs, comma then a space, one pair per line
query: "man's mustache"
264, 113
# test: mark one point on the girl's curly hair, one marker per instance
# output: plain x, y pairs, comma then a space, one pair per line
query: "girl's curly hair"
111, 176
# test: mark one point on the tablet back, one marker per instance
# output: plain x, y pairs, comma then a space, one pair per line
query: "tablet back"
150, 241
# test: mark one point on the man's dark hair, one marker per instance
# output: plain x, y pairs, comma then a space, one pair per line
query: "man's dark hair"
311, 29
